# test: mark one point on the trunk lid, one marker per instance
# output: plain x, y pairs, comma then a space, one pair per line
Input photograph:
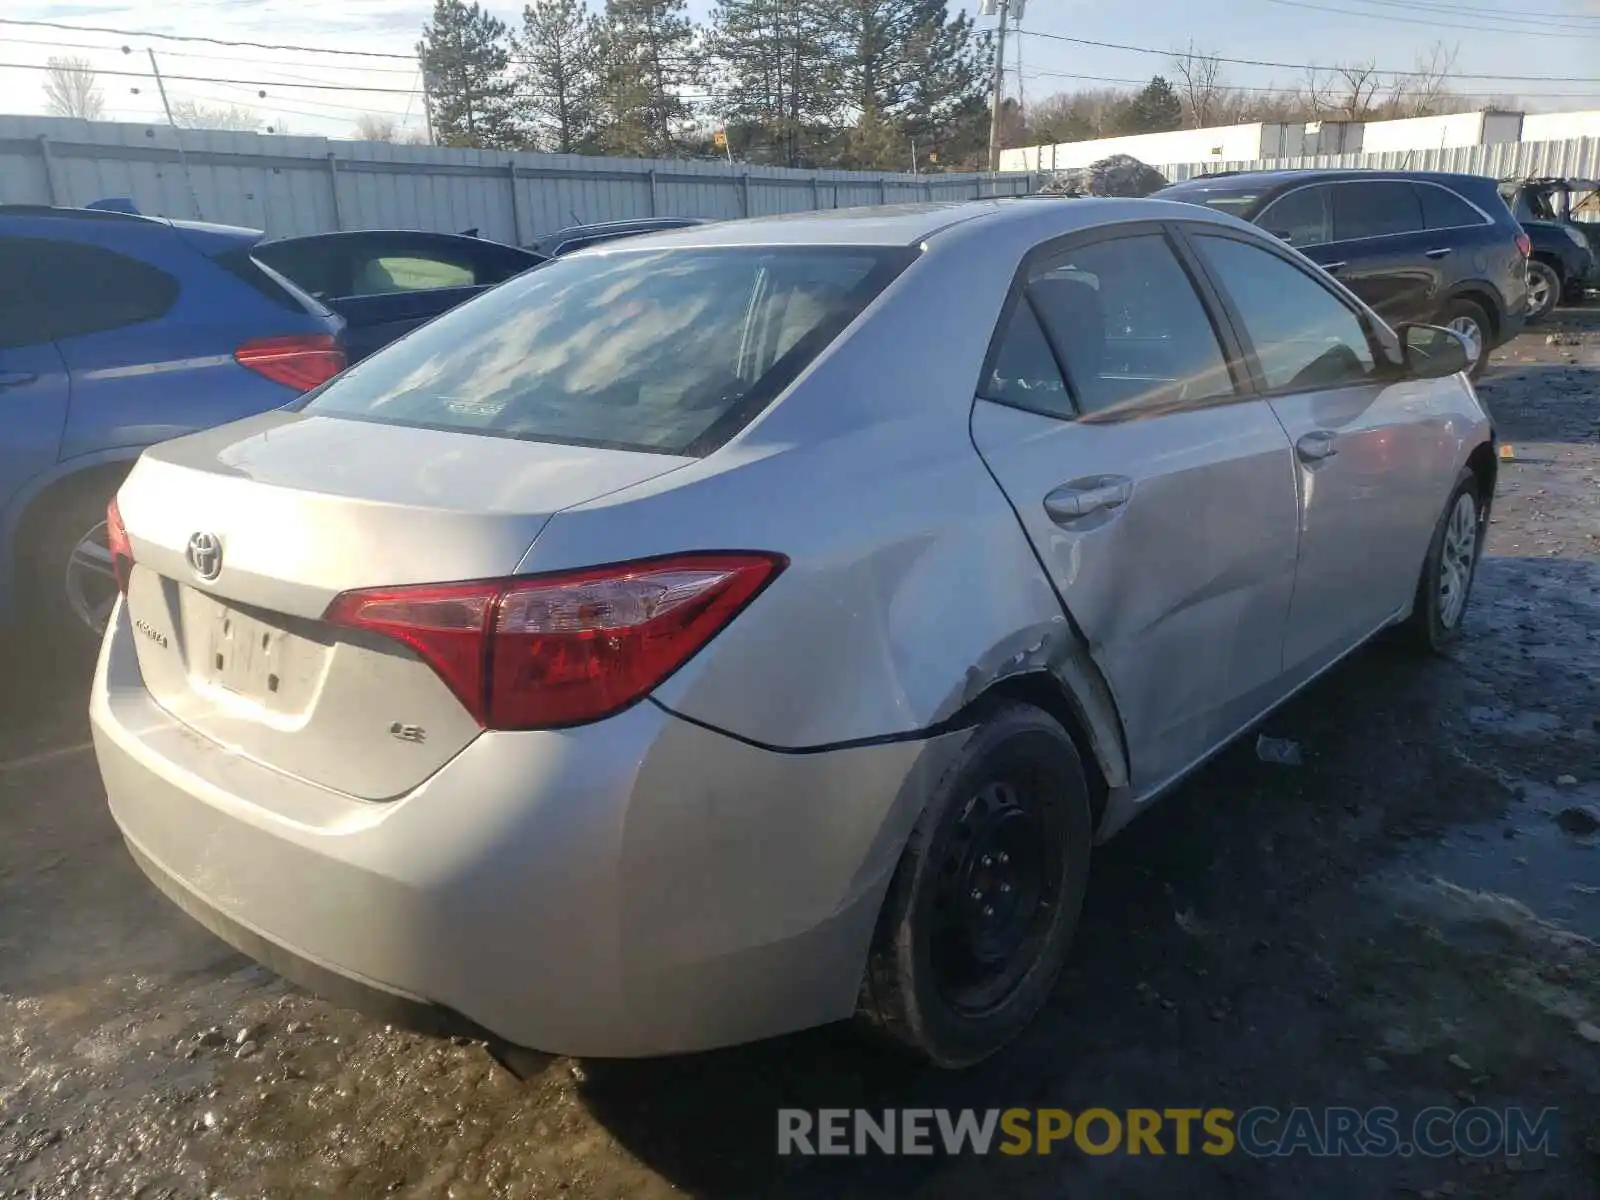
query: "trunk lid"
288, 510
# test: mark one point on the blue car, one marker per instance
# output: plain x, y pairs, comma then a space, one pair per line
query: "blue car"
118, 331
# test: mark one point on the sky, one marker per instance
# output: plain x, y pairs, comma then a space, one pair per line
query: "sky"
1542, 38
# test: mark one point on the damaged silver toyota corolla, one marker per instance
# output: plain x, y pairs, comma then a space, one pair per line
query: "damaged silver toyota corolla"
740, 628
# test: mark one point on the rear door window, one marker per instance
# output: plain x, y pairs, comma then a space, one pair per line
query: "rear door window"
1024, 373
56, 290
1375, 209
1129, 327
1443, 209
670, 351
1299, 217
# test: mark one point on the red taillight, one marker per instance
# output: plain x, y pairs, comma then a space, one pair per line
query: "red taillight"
1525, 245
300, 361
117, 543
563, 649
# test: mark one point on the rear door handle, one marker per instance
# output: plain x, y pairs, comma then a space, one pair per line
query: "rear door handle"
11, 379
1085, 497
1317, 445
1441, 252
1334, 268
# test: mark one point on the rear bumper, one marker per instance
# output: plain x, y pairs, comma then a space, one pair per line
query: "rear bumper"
641, 886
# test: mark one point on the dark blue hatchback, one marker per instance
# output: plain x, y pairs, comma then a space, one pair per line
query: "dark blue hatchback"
118, 331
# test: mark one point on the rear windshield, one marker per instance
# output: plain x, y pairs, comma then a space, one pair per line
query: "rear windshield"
1234, 203
669, 350
253, 273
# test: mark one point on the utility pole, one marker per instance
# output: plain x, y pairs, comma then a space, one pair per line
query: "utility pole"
177, 136
1003, 9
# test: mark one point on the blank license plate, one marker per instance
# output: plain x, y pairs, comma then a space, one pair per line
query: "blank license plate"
245, 655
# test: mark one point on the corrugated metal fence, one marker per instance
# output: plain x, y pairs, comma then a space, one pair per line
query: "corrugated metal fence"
294, 185
1576, 158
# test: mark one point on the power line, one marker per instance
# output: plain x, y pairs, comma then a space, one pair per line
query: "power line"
181, 37
321, 87
1434, 23
1262, 62
283, 83
176, 37
1575, 20
259, 62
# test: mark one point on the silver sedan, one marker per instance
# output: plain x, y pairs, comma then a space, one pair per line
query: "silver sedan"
747, 627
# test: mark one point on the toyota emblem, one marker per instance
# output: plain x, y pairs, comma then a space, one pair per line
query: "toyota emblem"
205, 555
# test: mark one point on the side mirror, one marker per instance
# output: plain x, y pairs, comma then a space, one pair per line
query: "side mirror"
1432, 352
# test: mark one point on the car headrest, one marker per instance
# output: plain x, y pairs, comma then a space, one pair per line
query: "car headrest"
1077, 320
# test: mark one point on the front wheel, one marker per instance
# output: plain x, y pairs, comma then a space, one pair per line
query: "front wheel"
1472, 323
1544, 290
1449, 569
986, 897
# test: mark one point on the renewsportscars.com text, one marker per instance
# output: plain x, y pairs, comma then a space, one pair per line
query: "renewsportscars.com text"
1261, 1132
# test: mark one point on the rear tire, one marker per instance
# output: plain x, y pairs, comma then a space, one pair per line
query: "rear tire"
1469, 320
1544, 290
68, 587
985, 900
1451, 564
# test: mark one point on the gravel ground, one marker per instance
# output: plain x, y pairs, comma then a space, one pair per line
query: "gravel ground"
1404, 920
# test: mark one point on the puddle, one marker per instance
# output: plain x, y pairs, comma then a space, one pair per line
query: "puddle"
1523, 856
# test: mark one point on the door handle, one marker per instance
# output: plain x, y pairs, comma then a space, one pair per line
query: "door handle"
1083, 498
1334, 268
1317, 445
11, 379
1441, 252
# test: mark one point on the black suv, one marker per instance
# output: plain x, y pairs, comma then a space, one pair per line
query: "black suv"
1416, 246
1560, 217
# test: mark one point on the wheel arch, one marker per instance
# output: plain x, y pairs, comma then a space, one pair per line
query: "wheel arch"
1486, 297
27, 508
1075, 695
1485, 465
1554, 261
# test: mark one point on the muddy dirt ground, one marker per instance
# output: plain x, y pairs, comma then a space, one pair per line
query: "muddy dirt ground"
1405, 919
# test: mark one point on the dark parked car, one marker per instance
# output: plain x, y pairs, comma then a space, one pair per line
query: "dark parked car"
576, 237
117, 331
385, 283
1566, 250
1416, 246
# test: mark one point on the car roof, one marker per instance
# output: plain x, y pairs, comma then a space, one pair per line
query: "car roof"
628, 223
1244, 181
345, 235
913, 224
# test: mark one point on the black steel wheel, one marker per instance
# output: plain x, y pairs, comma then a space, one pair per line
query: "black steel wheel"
985, 900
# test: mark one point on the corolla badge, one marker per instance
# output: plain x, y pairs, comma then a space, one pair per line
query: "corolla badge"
205, 555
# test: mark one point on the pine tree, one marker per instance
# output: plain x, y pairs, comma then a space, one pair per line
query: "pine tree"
780, 67
916, 69
560, 80
1155, 108
950, 64
646, 48
464, 61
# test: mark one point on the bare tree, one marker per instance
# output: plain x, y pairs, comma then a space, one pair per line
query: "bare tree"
70, 89
190, 114
1359, 84
1427, 92
1317, 93
1200, 86
373, 128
